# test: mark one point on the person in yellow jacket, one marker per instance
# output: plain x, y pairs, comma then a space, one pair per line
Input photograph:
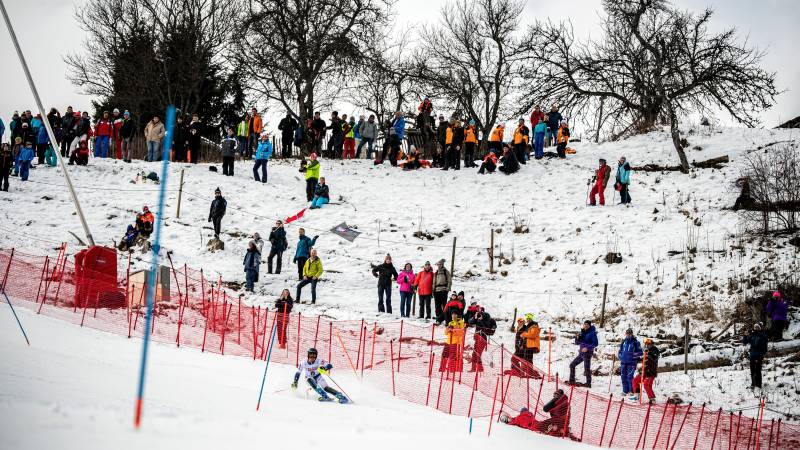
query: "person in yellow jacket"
521, 137
452, 359
470, 143
496, 139
243, 133
312, 270
311, 168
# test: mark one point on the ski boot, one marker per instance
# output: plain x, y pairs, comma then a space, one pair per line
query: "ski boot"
342, 399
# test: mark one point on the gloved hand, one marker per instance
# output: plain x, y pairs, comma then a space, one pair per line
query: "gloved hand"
294, 385
322, 371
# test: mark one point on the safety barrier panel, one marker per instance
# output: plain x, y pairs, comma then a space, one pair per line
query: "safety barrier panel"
414, 362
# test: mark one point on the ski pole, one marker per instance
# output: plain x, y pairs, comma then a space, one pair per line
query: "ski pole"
17, 317
340, 388
269, 355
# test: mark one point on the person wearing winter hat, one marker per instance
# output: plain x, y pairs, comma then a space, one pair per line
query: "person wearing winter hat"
6, 161
441, 284
311, 168
424, 285
777, 311
521, 138
406, 279
623, 181
630, 352
385, 273
116, 141
562, 139
125, 135
757, 339
600, 180
217, 212
263, 153
26, 155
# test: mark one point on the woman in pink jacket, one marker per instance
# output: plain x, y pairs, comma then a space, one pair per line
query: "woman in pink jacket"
406, 281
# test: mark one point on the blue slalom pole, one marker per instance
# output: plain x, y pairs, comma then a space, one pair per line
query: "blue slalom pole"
151, 279
470, 425
17, 317
269, 355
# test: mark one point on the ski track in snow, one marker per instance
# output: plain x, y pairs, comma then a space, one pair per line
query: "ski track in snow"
556, 270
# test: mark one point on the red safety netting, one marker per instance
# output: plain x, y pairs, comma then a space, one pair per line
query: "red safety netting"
414, 362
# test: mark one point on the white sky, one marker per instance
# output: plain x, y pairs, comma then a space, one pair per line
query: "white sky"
47, 31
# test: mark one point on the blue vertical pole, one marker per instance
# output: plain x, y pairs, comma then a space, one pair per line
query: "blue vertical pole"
470, 425
269, 355
151, 279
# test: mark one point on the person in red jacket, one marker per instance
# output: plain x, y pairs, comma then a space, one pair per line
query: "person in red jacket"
558, 407
600, 181
103, 131
489, 163
116, 139
424, 284
536, 116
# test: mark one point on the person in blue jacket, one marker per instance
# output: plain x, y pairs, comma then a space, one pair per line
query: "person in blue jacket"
301, 254
396, 134
42, 140
26, 155
623, 180
587, 342
2, 129
630, 352
321, 194
252, 263
538, 138
263, 153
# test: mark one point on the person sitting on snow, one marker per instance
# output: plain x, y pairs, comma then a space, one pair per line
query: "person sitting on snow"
558, 407
509, 161
489, 163
321, 194
129, 240
80, 155
313, 369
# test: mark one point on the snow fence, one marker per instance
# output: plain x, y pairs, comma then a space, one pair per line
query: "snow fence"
414, 362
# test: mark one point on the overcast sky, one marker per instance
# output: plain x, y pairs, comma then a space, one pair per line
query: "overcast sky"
47, 31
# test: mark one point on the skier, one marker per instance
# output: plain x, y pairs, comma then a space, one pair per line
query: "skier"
485, 326
252, 262
302, 252
278, 244
313, 369
630, 352
283, 306
758, 349
424, 284
600, 180
441, 284
777, 310
217, 211
587, 342
406, 281
385, 273
312, 270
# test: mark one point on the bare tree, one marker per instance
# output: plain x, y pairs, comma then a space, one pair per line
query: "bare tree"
147, 54
773, 187
653, 63
473, 58
295, 52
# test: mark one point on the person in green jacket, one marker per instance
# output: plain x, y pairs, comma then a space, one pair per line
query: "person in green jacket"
50, 156
312, 176
311, 273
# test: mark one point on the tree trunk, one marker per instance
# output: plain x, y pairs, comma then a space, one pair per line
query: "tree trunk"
676, 141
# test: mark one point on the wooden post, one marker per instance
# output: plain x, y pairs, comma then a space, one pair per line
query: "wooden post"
603, 307
685, 348
180, 194
452, 264
513, 321
491, 250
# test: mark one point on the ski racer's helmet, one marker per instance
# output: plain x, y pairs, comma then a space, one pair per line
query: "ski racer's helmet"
312, 352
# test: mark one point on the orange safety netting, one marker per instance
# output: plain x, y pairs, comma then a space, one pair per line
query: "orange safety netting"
412, 361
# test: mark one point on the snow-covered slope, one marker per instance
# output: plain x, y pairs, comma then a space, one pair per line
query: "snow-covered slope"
556, 270
75, 388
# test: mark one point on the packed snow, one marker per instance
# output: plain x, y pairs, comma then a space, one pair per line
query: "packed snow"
555, 270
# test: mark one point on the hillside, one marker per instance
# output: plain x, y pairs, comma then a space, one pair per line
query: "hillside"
556, 269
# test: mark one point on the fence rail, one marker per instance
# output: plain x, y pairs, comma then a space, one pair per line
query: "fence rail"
413, 362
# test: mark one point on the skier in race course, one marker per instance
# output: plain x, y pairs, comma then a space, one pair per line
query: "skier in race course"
312, 369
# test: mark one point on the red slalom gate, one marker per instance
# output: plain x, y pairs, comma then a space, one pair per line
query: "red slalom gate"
205, 316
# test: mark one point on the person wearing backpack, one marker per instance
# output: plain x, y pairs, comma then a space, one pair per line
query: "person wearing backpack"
278, 244
485, 326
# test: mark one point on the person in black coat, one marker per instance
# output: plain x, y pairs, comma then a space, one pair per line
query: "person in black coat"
319, 126
508, 161
484, 327
757, 340
180, 140
287, 125
283, 306
385, 273
67, 131
194, 138
218, 206
278, 244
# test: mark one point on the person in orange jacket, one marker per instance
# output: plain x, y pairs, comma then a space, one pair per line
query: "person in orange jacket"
496, 139
562, 139
255, 127
470, 143
521, 138
424, 284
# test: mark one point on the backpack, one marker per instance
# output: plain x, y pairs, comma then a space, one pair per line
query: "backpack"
492, 326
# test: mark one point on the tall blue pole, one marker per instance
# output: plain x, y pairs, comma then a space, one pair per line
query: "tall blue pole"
151, 279
17, 317
269, 356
